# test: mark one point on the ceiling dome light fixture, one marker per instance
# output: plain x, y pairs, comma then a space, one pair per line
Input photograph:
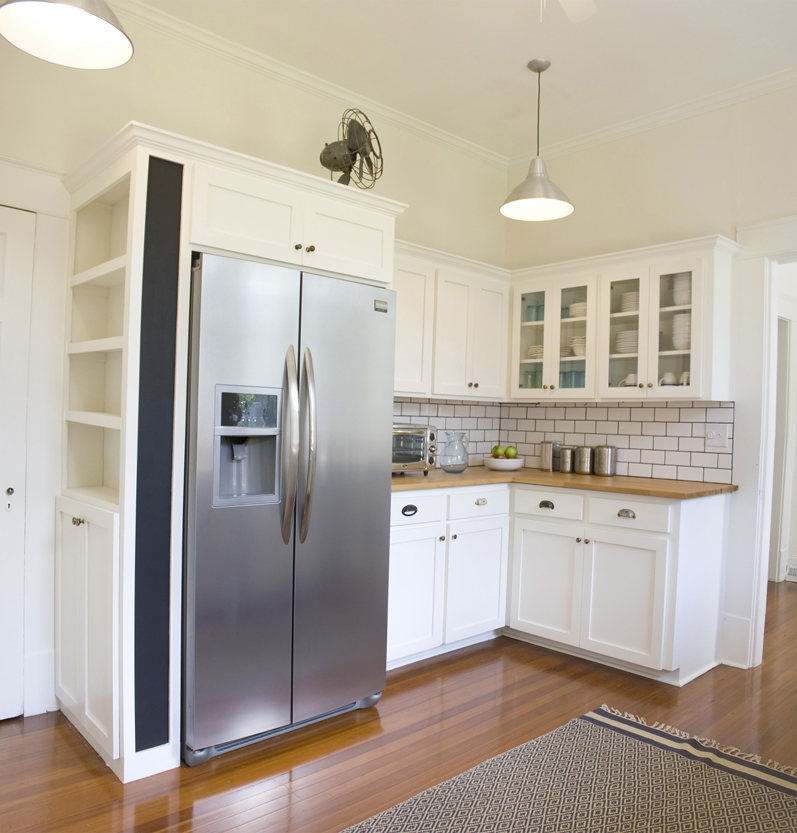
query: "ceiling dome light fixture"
84, 34
537, 197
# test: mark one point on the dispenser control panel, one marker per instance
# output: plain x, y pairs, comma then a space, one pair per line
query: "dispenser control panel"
247, 446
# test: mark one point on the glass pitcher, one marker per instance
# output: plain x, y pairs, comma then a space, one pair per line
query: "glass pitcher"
454, 456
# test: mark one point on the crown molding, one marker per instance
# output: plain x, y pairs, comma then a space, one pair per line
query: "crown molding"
145, 15
404, 247
679, 112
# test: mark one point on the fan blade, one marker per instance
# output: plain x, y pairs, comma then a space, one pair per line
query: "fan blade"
357, 136
369, 163
344, 178
578, 10
360, 174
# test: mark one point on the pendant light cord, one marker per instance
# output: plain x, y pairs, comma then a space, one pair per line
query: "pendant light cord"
539, 93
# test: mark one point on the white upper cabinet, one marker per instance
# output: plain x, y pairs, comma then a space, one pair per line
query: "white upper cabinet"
470, 336
553, 338
343, 232
413, 282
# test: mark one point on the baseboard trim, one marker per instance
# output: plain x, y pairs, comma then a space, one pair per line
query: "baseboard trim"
442, 649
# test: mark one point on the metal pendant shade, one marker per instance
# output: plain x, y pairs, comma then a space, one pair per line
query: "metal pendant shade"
84, 34
537, 197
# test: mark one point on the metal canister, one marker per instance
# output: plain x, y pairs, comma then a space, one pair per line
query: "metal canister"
582, 460
566, 458
549, 455
606, 460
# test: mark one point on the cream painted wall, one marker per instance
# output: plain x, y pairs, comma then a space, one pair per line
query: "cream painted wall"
703, 175
56, 117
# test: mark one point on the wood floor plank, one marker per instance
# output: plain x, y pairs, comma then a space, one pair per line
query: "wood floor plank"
436, 719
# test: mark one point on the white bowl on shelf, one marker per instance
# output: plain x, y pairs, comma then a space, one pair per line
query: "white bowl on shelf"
503, 465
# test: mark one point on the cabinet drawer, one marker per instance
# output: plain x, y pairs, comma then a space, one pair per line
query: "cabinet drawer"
478, 504
635, 514
420, 509
549, 504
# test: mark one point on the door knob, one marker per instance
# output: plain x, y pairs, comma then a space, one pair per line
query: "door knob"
310, 249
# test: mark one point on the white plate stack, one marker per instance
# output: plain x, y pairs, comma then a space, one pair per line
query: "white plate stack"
627, 342
578, 310
535, 352
565, 351
682, 289
629, 302
682, 330
578, 344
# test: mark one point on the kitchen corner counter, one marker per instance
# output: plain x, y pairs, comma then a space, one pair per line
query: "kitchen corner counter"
481, 476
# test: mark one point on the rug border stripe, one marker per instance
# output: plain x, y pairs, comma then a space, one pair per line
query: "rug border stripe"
692, 748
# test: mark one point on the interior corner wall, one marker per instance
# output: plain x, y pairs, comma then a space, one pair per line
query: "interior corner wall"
56, 117
698, 176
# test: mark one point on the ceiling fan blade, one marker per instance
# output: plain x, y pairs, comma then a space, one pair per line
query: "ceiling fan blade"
578, 10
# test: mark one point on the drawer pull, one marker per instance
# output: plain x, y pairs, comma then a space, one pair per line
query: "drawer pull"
409, 510
546, 504
482, 501
627, 513
78, 521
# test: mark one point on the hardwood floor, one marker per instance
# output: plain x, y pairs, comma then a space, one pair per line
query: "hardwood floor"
436, 719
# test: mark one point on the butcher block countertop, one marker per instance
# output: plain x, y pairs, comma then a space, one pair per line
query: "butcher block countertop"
481, 476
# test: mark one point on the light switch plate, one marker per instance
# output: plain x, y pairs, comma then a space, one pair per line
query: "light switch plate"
716, 435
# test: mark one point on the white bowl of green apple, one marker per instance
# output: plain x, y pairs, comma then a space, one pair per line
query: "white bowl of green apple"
504, 459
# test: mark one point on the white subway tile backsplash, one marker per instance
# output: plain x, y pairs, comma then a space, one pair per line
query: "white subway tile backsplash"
653, 439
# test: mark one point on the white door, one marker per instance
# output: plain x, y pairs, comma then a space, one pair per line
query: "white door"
17, 230
476, 581
415, 589
546, 580
625, 578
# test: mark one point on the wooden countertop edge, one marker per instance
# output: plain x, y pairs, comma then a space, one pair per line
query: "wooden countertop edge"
619, 484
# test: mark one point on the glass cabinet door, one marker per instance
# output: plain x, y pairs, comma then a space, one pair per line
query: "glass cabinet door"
532, 341
573, 343
674, 331
624, 364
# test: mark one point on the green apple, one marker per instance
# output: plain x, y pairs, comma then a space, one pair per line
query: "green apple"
498, 451
511, 452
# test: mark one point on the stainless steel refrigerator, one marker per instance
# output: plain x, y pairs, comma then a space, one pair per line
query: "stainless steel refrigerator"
287, 500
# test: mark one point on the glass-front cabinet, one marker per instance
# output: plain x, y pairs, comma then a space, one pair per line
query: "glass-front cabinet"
650, 332
554, 338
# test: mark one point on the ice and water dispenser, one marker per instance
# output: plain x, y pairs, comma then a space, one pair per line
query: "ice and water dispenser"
247, 446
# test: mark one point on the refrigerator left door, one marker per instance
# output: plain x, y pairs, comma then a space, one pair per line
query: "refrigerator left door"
239, 571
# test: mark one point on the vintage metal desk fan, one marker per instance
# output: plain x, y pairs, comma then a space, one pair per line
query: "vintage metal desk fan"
357, 153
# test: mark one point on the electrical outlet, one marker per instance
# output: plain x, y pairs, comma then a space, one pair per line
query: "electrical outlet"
716, 435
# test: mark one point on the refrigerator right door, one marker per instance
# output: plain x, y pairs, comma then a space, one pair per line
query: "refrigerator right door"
343, 503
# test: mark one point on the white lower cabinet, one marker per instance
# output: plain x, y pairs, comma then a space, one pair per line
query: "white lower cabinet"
87, 620
476, 577
416, 589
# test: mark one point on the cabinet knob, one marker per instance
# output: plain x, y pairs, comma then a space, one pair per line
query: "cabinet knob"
553, 386
470, 384
78, 521
586, 540
442, 537
482, 501
627, 513
10, 490
310, 249
454, 537
545, 387
641, 385
476, 385
578, 540
650, 385
298, 246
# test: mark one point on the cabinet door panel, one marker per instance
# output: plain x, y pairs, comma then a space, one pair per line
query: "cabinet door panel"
476, 580
622, 613
246, 215
453, 326
413, 283
70, 582
489, 341
546, 580
348, 240
574, 308
530, 341
415, 590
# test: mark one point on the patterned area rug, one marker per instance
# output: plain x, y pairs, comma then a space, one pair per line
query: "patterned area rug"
605, 772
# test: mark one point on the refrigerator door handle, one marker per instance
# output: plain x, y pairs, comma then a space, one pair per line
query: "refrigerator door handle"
309, 411
290, 442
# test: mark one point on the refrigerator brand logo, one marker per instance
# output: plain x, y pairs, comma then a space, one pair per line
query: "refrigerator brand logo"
380, 306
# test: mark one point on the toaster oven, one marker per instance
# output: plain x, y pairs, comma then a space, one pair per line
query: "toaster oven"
414, 448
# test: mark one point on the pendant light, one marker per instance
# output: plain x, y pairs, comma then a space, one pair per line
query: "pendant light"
84, 34
537, 197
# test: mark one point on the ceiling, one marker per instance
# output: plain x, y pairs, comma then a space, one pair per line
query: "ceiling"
460, 65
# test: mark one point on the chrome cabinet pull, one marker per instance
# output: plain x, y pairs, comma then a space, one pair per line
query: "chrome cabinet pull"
78, 521
627, 513
290, 441
482, 501
309, 406
546, 504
